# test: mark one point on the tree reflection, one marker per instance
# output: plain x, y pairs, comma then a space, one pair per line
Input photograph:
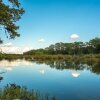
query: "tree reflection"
93, 66
1, 78
96, 68
61, 65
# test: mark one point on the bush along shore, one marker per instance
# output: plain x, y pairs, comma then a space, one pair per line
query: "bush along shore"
87, 57
16, 92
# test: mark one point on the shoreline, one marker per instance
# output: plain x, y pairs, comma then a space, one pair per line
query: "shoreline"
87, 57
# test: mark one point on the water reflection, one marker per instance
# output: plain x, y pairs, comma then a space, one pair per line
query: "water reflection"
8, 68
42, 71
1, 78
61, 65
8, 65
60, 78
1, 72
75, 74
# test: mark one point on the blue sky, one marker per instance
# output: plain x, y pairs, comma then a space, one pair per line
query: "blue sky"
55, 20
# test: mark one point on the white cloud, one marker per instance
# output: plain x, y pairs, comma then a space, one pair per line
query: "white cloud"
41, 40
74, 36
7, 44
9, 48
27, 49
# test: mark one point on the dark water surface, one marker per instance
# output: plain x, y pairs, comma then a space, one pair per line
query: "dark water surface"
65, 80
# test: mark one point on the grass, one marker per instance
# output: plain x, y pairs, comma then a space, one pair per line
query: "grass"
16, 92
88, 57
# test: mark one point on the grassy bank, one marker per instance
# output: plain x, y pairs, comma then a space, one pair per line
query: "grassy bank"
16, 92
88, 57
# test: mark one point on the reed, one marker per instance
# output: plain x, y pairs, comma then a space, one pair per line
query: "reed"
16, 92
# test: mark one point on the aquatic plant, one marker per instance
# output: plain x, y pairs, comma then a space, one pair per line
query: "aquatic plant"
16, 92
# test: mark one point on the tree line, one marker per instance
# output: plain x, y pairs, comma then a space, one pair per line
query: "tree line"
77, 48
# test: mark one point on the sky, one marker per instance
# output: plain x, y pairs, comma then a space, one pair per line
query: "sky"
47, 22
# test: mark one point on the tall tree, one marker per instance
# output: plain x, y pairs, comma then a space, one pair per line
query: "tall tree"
10, 13
95, 43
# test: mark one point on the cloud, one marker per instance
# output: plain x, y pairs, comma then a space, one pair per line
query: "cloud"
8, 44
74, 36
41, 40
26, 49
9, 48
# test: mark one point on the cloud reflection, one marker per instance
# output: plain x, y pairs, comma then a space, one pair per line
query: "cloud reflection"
75, 74
42, 71
7, 65
8, 68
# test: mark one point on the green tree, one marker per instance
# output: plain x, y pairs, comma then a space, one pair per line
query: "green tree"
50, 49
95, 43
78, 47
9, 14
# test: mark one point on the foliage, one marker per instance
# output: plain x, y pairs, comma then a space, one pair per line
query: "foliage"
16, 92
91, 64
9, 15
77, 48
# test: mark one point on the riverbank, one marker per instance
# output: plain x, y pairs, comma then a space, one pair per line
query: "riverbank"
16, 92
87, 57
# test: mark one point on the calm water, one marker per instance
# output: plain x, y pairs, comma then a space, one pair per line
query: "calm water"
65, 80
